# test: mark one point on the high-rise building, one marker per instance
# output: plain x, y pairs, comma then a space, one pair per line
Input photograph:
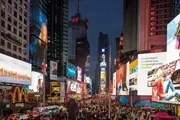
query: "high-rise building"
103, 63
119, 49
58, 33
14, 27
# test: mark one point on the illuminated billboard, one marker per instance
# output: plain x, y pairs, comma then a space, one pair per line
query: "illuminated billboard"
87, 64
38, 36
70, 70
14, 71
121, 80
55, 89
79, 74
173, 39
103, 60
53, 70
164, 82
37, 82
147, 62
79, 88
73, 86
114, 84
103, 80
133, 74
68, 85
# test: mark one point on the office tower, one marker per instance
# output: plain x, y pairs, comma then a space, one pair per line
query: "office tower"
103, 62
14, 36
119, 49
58, 33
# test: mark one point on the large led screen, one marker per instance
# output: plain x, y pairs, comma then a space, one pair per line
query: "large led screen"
73, 86
38, 36
164, 82
53, 70
14, 71
121, 80
37, 82
68, 85
114, 84
103, 60
133, 74
79, 74
147, 62
103, 80
173, 38
79, 88
70, 70
87, 63
55, 89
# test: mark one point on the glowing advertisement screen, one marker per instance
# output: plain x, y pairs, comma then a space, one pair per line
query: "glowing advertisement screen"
103, 80
68, 83
133, 74
70, 70
38, 36
173, 39
53, 70
14, 71
147, 62
62, 89
55, 89
87, 63
164, 82
114, 84
103, 60
79, 74
122, 81
79, 88
37, 82
73, 86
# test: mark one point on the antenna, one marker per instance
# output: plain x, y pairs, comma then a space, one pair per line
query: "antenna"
77, 6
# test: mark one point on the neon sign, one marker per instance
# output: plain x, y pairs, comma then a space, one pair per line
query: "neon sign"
20, 93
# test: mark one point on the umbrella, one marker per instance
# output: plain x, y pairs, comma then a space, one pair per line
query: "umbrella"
162, 115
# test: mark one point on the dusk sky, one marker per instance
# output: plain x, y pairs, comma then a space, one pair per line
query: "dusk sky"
103, 15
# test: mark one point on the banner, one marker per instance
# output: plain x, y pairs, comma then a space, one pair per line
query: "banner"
53, 70
114, 84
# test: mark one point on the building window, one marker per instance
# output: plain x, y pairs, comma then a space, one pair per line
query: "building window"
25, 6
25, 21
9, 18
20, 34
2, 4
20, 2
2, 42
14, 48
15, 22
25, 13
25, 29
15, 14
20, 17
2, 33
20, 50
9, 9
9, 27
9, 45
2, 14
20, 26
24, 52
2, 23
20, 9
10, 1
15, 31
25, 37
15, 5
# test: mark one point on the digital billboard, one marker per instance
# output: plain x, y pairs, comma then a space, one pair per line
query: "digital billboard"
79, 74
53, 70
147, 62
14, 71
38, 36
68, 83
37, 82
133, 74
73, 86
79, 88
87, 64
103, 60
164, 82
121, 80
114, 84
103, 80
55, 89
70, 70
62, 89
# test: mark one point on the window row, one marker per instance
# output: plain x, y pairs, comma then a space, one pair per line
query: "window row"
158, 33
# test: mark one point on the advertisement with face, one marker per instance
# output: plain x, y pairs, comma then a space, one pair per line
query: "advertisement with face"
173, 39
121, 81
70, 70
165, 82
73, 86
87, 64
53, 70
68, 82
55, 89
103, 60
38, 36
14, 71
114, 84
103, 80
79, 74
147, 62
79, 88
37, 82
133, 74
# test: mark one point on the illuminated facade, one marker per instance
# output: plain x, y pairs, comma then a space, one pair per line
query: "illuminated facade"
14, 28
58, 33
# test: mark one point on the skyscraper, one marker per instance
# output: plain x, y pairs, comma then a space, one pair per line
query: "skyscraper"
119, 48
14, 36
58, 33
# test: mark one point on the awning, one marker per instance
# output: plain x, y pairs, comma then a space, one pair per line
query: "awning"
123, 100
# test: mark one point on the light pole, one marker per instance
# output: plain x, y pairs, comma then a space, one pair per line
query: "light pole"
109, 112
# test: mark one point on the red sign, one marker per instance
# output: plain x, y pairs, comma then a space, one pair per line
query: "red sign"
154, 93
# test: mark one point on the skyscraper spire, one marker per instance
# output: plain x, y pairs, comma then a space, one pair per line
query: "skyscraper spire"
78, 6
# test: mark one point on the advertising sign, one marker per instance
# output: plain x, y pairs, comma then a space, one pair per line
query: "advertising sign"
147, 62
79, 88
53, 70
173, 39
121, 81
165, 82
73, 86
62, 90
87, 64
79, 74
103, 80
70, 70
68, 82
114, 84
103, 60
37, 82
55, 89
133, 74
14, 71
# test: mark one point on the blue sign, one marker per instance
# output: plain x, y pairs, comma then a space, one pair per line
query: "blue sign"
70, 70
